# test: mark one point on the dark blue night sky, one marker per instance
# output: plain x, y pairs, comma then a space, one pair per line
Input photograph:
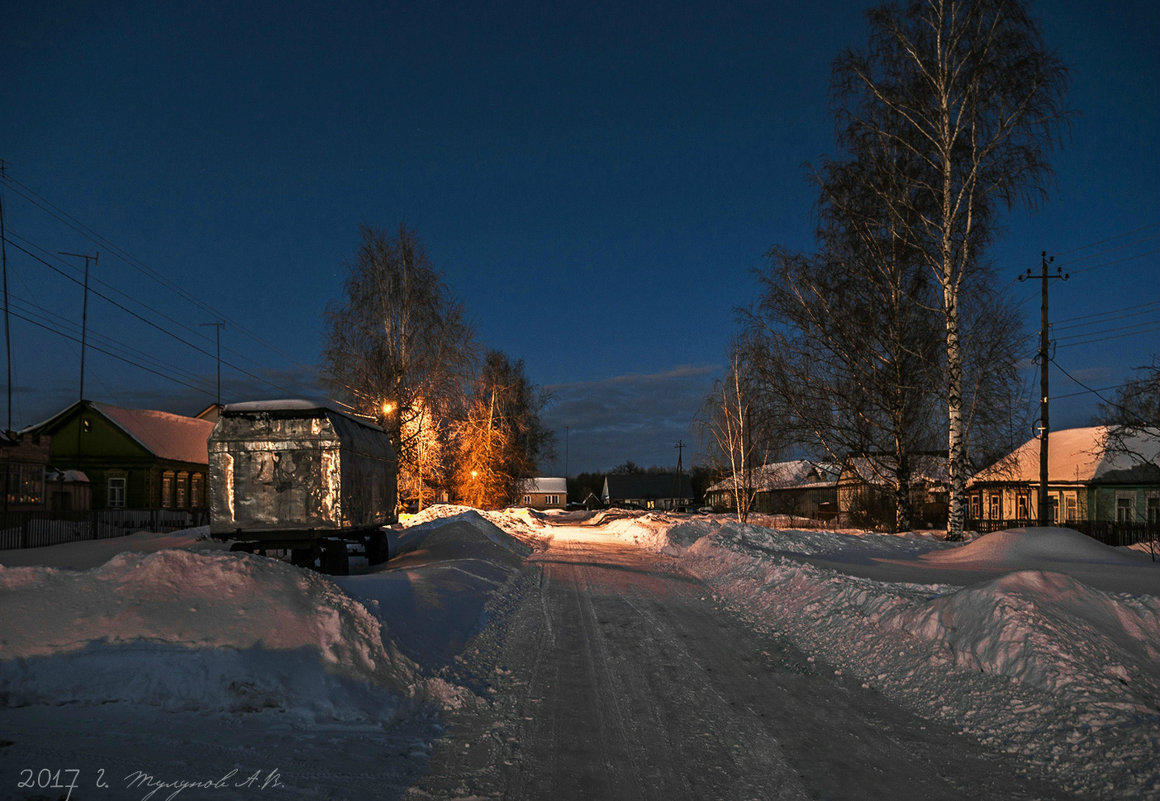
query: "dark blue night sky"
596, 182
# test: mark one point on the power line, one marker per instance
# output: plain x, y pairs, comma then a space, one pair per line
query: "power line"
63, 216
64, 325
106, 352
150, 323
1113, 238
1097, 392
1111, 312
131, 299
1131, 331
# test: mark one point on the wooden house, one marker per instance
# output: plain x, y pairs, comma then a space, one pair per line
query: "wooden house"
798, 487
866, 494
1086, 481
546, 493
133, 458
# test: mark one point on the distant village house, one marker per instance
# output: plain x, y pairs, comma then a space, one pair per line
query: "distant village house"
546, 493
660, 491
800, 487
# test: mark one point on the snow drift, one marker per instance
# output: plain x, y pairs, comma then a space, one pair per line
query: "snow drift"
1036, 661
196, 631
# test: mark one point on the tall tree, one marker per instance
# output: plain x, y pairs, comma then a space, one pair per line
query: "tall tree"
734, 430
968, 91
399, 349
1132, 419
502, 439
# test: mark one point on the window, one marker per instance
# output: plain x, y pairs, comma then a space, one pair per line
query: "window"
116, 496
974, 507
195, 490
527, 500
1022, 511
550, 500
994, 499
182, 487
25, 484
1125, 506
1071, 507
1154, 509
167, 490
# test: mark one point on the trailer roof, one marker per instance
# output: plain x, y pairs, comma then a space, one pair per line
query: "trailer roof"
292, 407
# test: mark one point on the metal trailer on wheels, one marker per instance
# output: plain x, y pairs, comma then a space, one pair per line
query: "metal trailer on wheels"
302, 477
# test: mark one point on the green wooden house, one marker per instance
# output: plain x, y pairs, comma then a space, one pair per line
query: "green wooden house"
134, 458
1086, 481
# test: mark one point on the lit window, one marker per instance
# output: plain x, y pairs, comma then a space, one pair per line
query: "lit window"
195, 490
25, 484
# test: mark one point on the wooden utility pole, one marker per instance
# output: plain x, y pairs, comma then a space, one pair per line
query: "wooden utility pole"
218, 331
84, 310
7, 329
1044, 426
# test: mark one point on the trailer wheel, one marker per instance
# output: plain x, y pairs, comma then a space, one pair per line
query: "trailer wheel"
377, 548
335, 560
303, 557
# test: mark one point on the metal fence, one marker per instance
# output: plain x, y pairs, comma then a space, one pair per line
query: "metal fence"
1107, 532
38, 529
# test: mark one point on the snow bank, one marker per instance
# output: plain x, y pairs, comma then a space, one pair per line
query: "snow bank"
1026, 547
1034, 662
85, 554
436, 595
196, 631
1049, 631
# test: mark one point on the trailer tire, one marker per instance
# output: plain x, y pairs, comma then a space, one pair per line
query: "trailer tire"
335, 560
303, 557
377, 549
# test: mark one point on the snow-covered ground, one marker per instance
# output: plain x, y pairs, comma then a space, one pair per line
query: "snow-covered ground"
165, 659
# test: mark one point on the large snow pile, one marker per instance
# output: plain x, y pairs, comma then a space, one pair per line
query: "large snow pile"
196, 631
436, 595
1031, 659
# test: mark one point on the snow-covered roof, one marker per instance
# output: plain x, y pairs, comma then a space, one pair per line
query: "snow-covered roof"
555, 486
794, 474
293, 407
280, 405
876, 470
166, 436
1073, 455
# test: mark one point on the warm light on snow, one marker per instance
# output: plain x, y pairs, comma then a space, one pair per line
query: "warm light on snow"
1039, 642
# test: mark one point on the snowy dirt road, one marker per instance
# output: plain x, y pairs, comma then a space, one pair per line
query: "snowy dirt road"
621, 677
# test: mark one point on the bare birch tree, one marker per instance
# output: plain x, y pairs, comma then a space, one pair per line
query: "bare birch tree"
730, 424
969, 92
399, 350
1132, 421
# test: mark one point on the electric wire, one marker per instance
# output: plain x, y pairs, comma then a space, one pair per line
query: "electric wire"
64, 217
150, 323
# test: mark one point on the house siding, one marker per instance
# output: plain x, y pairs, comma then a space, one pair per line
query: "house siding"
86, 440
